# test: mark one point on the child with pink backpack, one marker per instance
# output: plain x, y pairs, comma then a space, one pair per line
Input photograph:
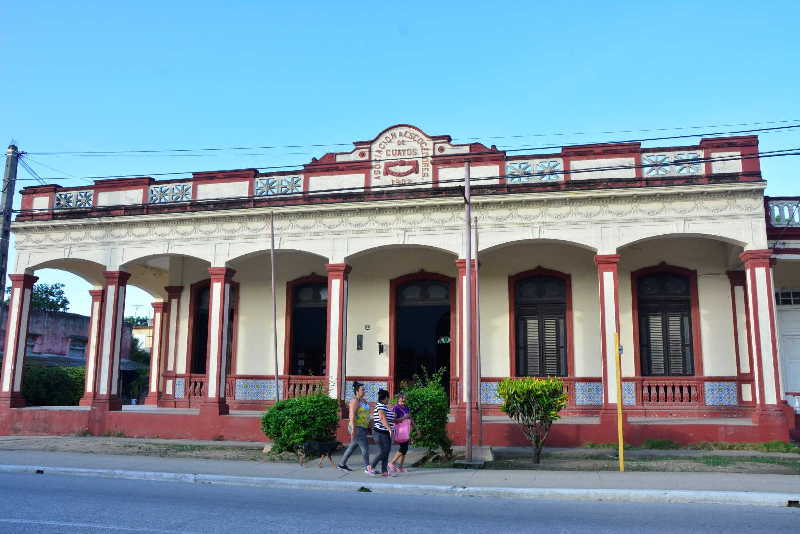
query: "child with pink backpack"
402, 433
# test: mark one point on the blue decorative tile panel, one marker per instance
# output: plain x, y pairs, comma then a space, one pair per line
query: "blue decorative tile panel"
73, 199
180, 386
370, 389
629, 393
256, 389
588, 393
489, 393
721, 394
530, 171
267, 187
683, 163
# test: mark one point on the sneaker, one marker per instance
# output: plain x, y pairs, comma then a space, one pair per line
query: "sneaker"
402, 470
370, 471
343, 468
393, 468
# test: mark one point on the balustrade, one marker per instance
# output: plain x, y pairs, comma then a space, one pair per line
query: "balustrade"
671, 391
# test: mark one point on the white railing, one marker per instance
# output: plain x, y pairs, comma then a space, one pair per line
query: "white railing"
784, 212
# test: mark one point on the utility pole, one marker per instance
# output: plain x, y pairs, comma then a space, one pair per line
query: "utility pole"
468, 301
9, 183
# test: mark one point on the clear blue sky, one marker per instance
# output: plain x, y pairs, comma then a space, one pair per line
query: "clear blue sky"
111, 76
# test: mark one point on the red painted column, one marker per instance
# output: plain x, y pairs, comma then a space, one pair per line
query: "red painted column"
337, 327
741, 333
107, 396
15, 341
460, 395
160, 313
218, 319
93, 347
761, 320
608, 285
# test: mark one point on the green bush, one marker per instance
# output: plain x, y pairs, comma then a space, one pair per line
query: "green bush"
291, 422
52, 386
429, 406
534, 404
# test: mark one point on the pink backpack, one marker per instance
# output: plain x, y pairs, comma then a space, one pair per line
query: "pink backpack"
402, 431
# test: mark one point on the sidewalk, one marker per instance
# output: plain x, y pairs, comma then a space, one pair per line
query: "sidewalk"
729, 488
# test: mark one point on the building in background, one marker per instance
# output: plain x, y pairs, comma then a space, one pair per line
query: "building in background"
667, 246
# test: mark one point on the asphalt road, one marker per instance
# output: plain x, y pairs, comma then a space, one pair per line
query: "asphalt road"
51, 503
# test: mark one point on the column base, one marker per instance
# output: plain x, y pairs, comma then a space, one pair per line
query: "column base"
12, 400
103, 403
214, 407
772, 423
151, 399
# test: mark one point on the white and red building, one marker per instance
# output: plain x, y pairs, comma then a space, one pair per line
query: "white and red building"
666, 246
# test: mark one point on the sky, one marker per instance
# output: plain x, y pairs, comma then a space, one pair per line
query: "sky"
79, 76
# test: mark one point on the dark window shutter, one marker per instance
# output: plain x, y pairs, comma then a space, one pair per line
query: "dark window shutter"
665, 326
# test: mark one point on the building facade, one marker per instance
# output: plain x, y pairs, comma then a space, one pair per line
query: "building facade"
666, 247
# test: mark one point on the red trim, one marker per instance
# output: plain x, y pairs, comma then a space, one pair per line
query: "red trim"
337, 271
770, 296
697, 347
393, 285
288, 319
96, 321
120, 280
512, 310
160, 314
173, 295
606, 263
739, 279
221, 276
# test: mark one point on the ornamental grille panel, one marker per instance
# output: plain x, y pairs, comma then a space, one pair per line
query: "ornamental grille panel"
162, 194
532, 171
74, 199
787, 297
665, 326
672, 164
286, 185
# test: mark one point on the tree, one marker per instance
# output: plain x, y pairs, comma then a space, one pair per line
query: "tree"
135, 321
47, 297
533, 403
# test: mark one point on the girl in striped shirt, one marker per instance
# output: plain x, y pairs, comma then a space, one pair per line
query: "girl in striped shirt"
383, 423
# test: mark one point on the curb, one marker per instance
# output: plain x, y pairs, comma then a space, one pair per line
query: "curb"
746, 498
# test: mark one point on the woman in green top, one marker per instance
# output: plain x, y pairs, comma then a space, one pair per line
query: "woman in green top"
358, 426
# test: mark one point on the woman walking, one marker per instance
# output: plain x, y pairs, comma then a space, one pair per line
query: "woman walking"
358, 426
383, 422
402, 433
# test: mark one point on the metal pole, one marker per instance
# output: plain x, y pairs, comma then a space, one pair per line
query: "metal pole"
478, 335
620, 438
467, 341
274, 302
7, 201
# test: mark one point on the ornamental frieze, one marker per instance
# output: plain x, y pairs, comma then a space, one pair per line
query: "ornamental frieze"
423, 216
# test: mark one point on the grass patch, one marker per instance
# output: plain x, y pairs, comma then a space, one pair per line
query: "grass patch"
660, 444
769, 446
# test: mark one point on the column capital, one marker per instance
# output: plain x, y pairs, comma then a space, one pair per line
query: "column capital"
173, 292
118, 278
160, 306
737, 278
606, 261
756, 258
22, 280
221, 273
97, 294
338, 270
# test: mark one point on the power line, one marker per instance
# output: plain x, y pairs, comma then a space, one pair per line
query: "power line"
182, 151
281, 196
528, 148
762, 154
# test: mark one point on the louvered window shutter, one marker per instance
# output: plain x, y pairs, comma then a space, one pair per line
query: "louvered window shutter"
665, 335
542, 343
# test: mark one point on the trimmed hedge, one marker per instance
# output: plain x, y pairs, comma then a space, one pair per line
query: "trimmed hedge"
52, 386
291, 422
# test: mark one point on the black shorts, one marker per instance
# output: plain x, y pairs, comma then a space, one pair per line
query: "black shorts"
403, 448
